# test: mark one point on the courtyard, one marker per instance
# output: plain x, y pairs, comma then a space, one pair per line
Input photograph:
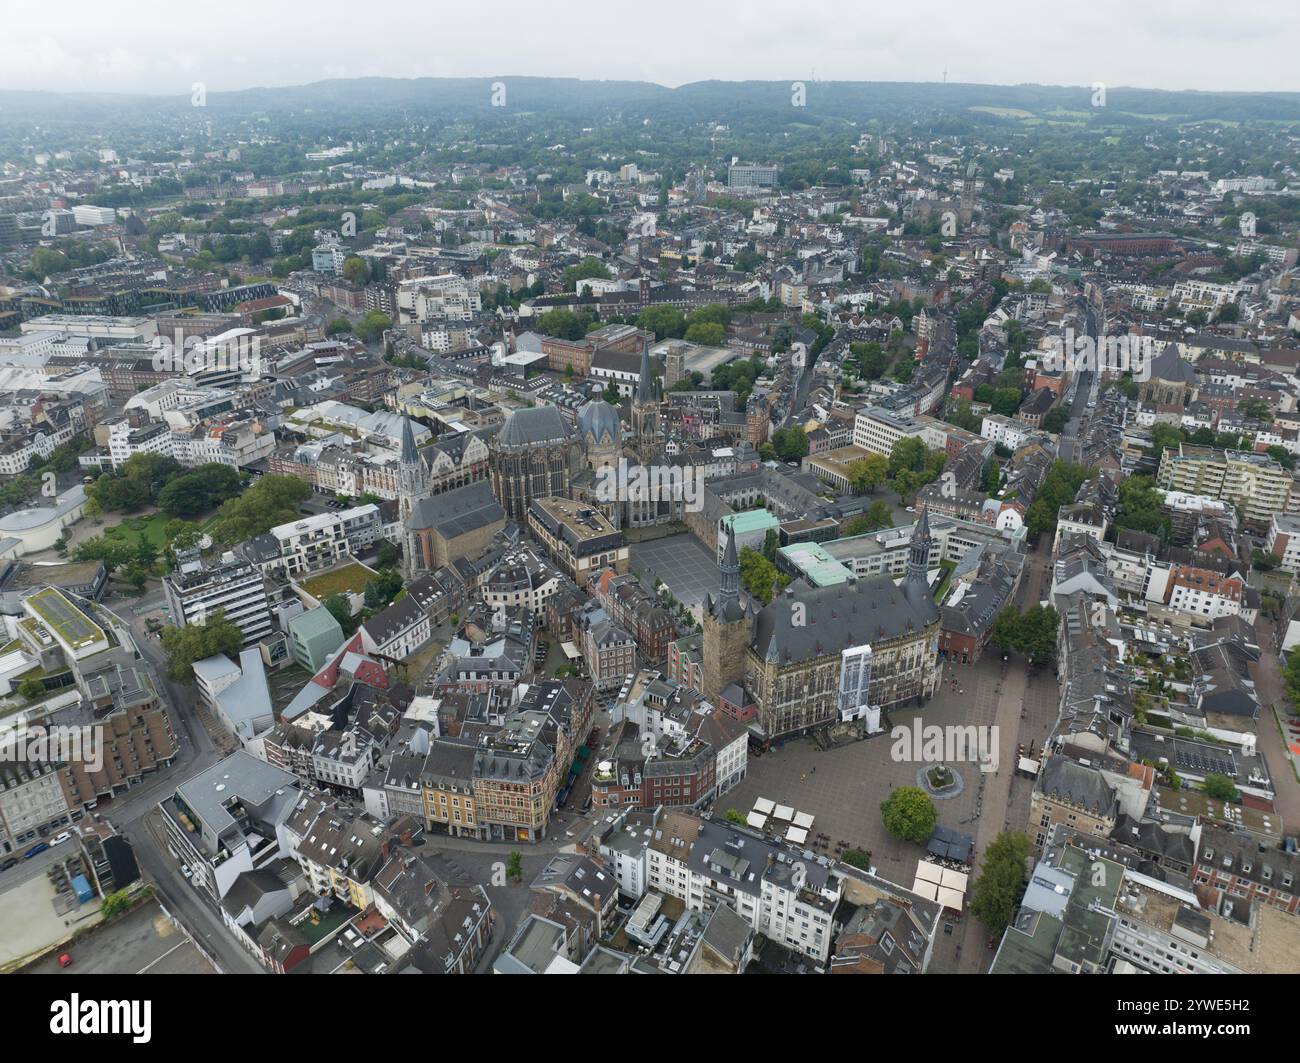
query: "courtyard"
683, 563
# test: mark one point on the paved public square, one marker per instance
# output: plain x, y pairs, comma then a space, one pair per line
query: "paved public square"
844, 788
680, 561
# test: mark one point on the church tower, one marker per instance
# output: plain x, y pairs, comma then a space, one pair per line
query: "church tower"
412, 484
918, 554
728, 629
410, 471
645, 409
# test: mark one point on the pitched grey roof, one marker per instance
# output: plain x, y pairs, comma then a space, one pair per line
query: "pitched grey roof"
456, 512
1065, 779
537, 424
835, 618
1169, 365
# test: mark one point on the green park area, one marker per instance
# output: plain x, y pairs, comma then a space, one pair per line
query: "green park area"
134, 530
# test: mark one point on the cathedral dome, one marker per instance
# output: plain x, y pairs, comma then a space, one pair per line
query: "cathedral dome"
598, 422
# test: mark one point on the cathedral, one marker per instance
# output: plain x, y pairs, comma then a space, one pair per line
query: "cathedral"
534, 455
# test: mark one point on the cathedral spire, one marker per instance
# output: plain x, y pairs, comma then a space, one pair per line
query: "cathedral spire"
410, 454
729, 587
645, 387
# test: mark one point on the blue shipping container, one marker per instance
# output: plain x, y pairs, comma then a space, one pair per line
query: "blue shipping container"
82, 888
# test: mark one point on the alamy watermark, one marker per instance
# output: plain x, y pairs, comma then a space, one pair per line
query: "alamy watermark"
192, 355
626, 482
1070, 353
952, 744
37, 744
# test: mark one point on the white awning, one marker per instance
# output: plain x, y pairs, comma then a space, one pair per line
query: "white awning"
928, 890
797, 835
954, 880
784, 813
764, 806
929, 872
758, 822
804, 820
953, 899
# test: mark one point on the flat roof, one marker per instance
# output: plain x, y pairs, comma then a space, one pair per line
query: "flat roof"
750, 520
68, 621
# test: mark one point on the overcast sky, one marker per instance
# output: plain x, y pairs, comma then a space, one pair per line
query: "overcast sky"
164, 46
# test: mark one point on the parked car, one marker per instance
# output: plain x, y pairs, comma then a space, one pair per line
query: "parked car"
65, 959
34, 850
11, 862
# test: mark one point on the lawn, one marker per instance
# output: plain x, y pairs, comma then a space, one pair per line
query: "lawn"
134, 529
349, 578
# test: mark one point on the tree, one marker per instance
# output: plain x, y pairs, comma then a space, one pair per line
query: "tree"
1038, 633
372, 325
1059, 487
31, 688
514, 866
705, 333
1006, 630
909, 814
355, 270
996, 891
588, 268
1220, 787
759, 576
961, 416
791, 443
136, 574
114, 903
382, 590
879, 515
733, 816
1165, 437
341, 610
866, 474
388, 556
114, 553
1056, 420
1141, 507
270, 501
666, 322
199, 490
181, 535
195, 642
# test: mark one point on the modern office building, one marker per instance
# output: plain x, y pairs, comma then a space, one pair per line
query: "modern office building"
195, 591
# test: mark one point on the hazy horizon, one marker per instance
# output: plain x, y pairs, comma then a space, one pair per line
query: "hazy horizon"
153, 48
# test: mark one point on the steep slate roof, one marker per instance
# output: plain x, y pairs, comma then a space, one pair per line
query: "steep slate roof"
835, 618
1067, 780
456, 512
538, 424
1169, 365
